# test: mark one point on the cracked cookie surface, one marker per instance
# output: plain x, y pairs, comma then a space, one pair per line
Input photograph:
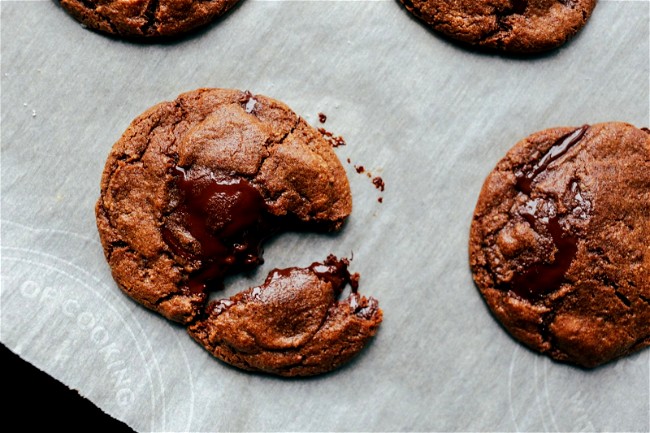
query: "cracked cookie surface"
145, 18
194, 186
516, 26
560, 242
292, 325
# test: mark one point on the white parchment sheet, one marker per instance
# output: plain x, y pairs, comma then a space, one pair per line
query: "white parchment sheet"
430, 117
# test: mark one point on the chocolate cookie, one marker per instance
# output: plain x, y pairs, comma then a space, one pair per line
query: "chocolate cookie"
145, 18
560, 242
194, 186
292, 325
516, 26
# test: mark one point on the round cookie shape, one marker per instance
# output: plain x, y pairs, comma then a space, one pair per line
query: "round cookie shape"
194, 186
560, 242
515, 26
145, 18
292, 325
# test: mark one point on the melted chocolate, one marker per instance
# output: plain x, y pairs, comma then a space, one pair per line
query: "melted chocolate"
560, 147
519, 6
322, 118
332, 270
542, 278
227, 217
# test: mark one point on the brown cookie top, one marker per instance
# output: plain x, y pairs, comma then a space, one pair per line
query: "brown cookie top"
145, 18
516, 26
560, 242
292, 325
194, 186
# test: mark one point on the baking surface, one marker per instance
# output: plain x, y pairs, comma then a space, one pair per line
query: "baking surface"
428, 116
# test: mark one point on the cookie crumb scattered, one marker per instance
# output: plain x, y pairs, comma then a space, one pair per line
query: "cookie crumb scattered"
333, 140
322, 118
379, 183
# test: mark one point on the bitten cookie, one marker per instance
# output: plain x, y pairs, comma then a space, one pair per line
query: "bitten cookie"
292, 325
560, 242
194, 186
516, 26
145, 18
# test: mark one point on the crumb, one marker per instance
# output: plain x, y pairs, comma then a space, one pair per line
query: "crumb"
333, 140
379, 183
322, 118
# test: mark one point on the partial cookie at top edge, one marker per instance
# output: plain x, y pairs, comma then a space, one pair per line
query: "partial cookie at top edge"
560, 242
515, 26
148, 19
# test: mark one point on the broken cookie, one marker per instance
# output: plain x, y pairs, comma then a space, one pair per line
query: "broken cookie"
194, 186
292, 325
189, 194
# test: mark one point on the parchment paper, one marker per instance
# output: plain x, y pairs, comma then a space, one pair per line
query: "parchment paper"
430, 117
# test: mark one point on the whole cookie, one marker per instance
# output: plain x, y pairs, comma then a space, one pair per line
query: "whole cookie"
292, 325
194, 186
560, 242
516, 26
145, 18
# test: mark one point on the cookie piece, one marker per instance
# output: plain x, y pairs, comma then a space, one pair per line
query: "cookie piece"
292, 325
194, 186
515, 26
560, 242
145, 18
